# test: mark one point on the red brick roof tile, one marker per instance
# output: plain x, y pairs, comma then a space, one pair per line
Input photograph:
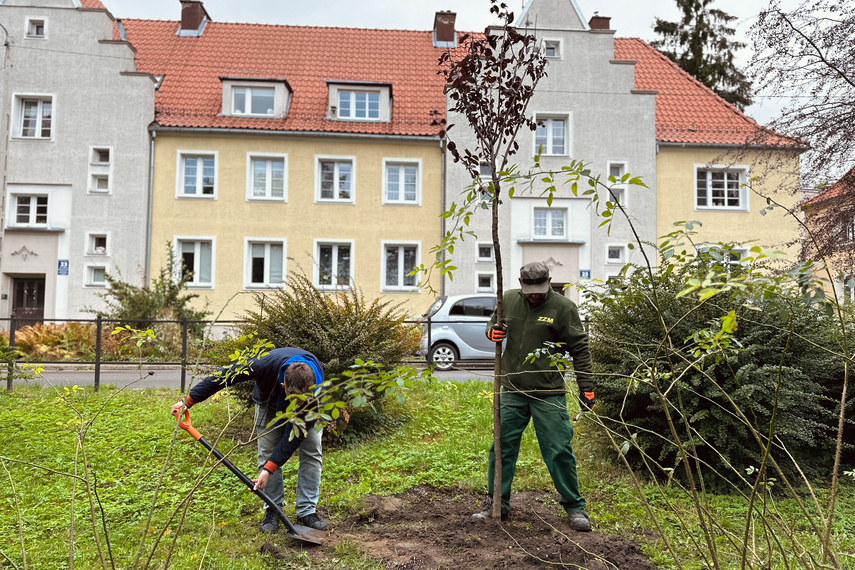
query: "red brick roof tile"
686, 110
307, 57
92, 4
843, 187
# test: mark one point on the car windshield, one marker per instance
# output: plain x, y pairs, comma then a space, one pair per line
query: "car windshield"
432, 310
474, 307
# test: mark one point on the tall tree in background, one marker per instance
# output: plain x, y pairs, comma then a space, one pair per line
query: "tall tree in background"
700, 43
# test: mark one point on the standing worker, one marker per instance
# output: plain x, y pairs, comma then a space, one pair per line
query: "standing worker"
269, 396
534, 315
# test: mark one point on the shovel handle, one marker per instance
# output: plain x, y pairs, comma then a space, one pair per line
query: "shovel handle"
184, 423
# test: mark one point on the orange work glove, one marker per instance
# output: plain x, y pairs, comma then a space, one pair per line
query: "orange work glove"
497, 333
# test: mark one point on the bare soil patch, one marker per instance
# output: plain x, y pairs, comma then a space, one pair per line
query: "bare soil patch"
427, 528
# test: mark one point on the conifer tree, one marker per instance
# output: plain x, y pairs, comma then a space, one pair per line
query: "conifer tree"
700, 43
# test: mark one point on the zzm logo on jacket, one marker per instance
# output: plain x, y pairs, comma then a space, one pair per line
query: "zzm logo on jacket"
549, 320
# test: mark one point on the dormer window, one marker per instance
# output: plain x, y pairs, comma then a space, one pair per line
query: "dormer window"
364, 101
255, 97
256, 101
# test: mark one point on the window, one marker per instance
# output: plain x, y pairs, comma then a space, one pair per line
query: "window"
96, 244
617, 191
334, 267
485, 283
401, 183
335, 180
36, 27
35, 117
95, 275
197, 175
848, 287
100, 169
363, 105
398, 262
720, 189
550, 138
549, 223
197, 261
265, 263
266, 177
727, 259
616, 254
474, 307
31, 210
485, 252
256, 101
847, 235
552, 48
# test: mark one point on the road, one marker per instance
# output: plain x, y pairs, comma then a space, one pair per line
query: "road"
170, 377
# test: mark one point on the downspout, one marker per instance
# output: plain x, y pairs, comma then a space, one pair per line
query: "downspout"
442, 205
6, 133
149, 207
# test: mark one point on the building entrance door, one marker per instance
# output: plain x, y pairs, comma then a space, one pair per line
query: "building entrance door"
29, 301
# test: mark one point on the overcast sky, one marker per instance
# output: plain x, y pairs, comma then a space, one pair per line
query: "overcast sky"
631, 18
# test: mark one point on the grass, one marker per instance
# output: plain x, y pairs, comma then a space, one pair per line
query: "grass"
439, 436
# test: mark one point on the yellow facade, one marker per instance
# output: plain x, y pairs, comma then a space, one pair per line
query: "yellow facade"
767, 173
230, 218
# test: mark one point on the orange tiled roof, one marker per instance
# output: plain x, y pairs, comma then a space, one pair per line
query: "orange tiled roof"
686, 110
307, 57
843, 187
92, 4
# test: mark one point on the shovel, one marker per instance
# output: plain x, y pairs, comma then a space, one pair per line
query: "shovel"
299, 532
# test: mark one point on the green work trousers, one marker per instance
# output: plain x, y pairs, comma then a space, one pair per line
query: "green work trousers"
554, 435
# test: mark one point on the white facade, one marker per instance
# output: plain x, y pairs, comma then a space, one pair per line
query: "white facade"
77, 147
591, 112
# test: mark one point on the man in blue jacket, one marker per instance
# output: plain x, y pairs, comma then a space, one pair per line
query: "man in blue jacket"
269, 396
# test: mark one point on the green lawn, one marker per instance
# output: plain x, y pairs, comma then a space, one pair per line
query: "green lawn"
439, 436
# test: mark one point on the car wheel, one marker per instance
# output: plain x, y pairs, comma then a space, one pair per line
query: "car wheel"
443, 356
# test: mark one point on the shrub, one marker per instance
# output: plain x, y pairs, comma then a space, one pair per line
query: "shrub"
165, 299
67, 341
779, 339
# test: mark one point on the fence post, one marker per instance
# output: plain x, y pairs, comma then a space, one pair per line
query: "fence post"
98, 352
10, 372
427, 356
183, 354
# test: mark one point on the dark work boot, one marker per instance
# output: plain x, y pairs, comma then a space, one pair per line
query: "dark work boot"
579, 521
486, 512
270, 522
313, 521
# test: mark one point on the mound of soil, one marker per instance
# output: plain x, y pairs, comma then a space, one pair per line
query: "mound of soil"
429, 528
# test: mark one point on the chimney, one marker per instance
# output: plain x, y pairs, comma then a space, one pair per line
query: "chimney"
598, 22
444, 35
193, 18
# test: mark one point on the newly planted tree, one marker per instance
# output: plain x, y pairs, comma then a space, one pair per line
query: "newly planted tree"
490, 82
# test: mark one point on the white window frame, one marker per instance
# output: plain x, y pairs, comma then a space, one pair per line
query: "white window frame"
352, 104
743, 176
182, 155
318, 179
555, 43
478, 247
99, 169
177, 241
17, 132
624, 254
90, 248
29, 24
248, 95
548, 119
248, 242
316, 266
402, 163
33, 210
741, 251
399, 244
251, 157
618, 188
90, 275
491, 288
550, 213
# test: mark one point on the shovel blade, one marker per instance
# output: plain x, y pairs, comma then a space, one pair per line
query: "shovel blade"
307, 534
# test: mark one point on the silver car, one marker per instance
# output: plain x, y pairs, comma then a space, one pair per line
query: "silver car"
457, 324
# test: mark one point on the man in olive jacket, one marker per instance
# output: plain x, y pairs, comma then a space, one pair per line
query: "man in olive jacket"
532, 316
